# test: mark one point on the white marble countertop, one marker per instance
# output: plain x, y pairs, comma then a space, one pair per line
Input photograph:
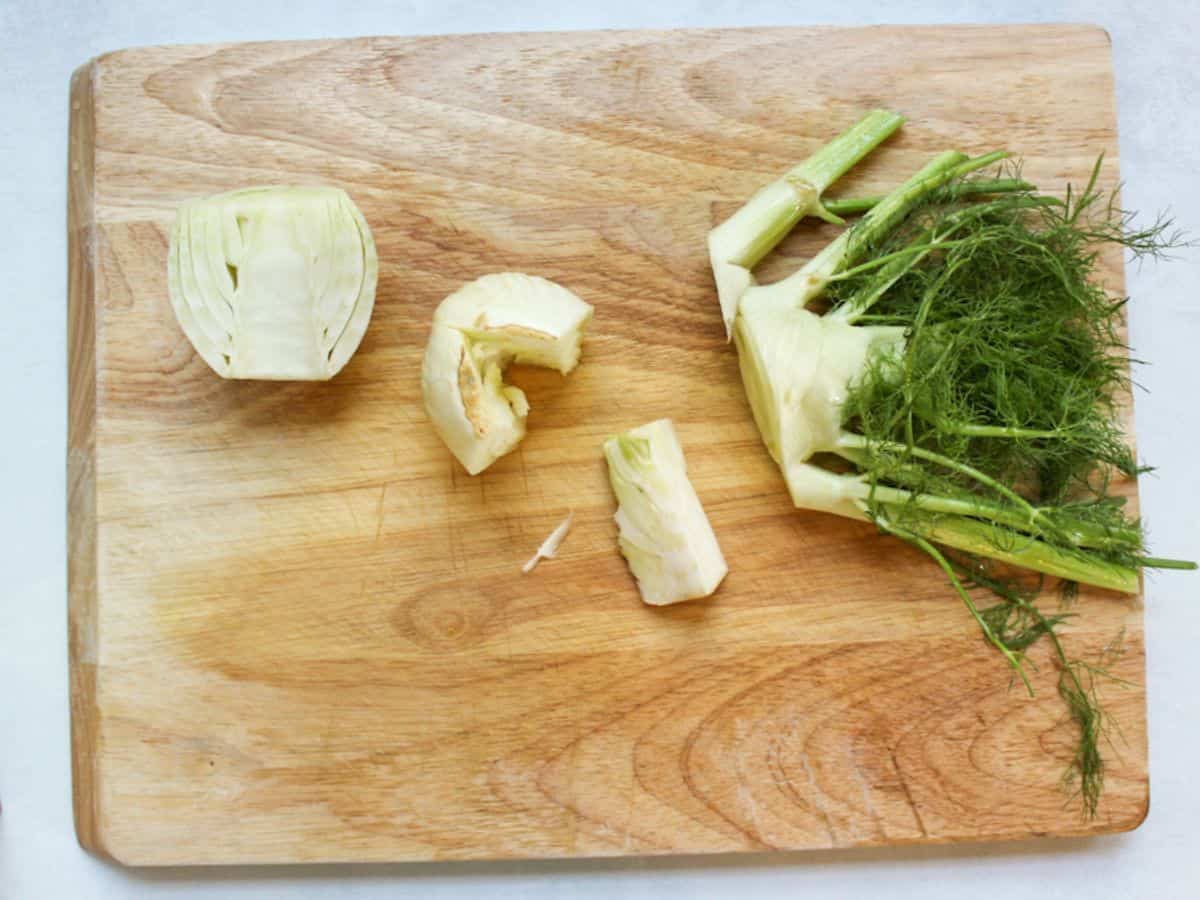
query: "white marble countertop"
41, 41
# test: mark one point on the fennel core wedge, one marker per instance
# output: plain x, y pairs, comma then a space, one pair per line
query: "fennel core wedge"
949, 369
664, 534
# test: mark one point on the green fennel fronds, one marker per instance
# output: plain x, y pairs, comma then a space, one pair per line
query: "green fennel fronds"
1018, 623
1009, 391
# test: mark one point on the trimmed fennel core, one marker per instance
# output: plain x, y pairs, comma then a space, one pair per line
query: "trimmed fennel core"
664, 535
273, 283
960, 390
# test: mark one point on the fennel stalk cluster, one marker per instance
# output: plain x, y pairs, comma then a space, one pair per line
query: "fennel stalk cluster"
948, 369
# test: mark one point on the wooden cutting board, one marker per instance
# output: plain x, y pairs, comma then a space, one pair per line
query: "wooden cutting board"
300, 632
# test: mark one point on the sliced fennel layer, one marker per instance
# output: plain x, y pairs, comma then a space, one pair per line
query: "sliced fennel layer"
663, 531
273, 283
477, 331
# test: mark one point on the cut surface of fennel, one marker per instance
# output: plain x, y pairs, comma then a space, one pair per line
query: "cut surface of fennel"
273, 283
664, 534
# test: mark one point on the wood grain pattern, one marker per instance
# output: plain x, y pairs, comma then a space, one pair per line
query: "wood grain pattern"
300, 632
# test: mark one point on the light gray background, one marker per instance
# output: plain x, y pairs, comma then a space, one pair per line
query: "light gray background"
1158, 83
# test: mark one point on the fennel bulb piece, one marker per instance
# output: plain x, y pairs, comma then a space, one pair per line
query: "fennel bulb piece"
273, 283
664, 534
477, 331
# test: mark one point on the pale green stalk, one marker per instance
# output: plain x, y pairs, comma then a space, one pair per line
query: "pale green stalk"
848, 247
741, 241
980, 538
851, 206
